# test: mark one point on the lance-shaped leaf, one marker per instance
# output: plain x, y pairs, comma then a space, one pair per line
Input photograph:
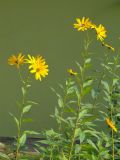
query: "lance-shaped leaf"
27, 108
15, 119
23, 91
106, 86
87, 83
23, 139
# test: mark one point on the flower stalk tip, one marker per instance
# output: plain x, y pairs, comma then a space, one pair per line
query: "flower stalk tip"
111, 124
71, 72
16, 60
38, 66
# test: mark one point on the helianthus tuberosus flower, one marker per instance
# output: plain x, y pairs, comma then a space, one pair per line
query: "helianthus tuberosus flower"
111, 125
38, 66
101, 32
16, 60
93, 26
108, 46
82, 24
72, 72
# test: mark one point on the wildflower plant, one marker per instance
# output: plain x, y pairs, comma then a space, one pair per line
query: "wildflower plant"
37, 65
78, 112
88, 109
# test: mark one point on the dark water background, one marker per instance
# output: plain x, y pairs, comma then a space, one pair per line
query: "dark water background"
46, 27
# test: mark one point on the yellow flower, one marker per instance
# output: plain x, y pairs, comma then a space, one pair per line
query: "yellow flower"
110, 124
37, 66
101, 32
93, 26
72, 72
31, 60
82, 24
16, 60
108, 46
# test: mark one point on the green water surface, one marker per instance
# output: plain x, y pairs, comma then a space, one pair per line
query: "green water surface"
45, 27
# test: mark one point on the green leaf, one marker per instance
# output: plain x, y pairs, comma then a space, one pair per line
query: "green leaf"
92, 144
94, 93
69, 83
56, 112
118, 115
107, 98
60, 102
81, 136
4, 156
118, 66
27, 108
22, 139
86, 90
57, 94
80, 67
106, 67
32, 102
77, 131
77, 92
77, 148
103, 113
63, 120
28, 86
63, 156
92, 132
70, 110
82, 113
61, 86
106, 86
27, 120
15, 119
71, 89
23, 91
115, 81
88, 60
87, 83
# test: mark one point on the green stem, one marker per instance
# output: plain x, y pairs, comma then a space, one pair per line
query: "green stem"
113, 146
20, 120
80, 82
21, 78
77, 119
113, 141
18, 136
73, 137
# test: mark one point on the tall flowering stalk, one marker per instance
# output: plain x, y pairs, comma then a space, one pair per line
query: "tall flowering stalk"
36, 65
84, 24
111, 124
101, 34
114, 129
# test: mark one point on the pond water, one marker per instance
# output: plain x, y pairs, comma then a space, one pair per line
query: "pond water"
45, 28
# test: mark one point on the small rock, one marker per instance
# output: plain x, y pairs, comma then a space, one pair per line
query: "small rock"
3, 147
